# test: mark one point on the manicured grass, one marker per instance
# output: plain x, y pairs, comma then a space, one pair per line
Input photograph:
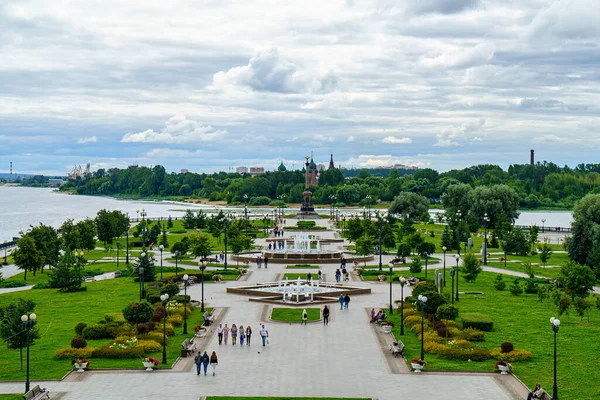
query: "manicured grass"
58, 313
294, 314
302, 266
11, 397
303, 275
284, 398
524, 321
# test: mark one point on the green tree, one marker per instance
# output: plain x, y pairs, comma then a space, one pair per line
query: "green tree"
86, 230
447, 238
354, 228
110, 224
146, 264
164, 241
416, 266
70, 235
388, 237
471, 267
201, 246
545, 253
414, 241
364, 246
67, 274
499, 283
47, 242
11, 326
189, 219
576, 280
154, 233
27, 256
182, 246
138, 312
169, 222
409, 204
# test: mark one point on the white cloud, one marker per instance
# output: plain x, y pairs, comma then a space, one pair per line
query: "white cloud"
178, 130
270, 72
550, 139
461, 58
350, 139
395, 140
372, 161
91, 139
457, 135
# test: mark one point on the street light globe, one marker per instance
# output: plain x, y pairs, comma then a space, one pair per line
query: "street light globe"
457, 257
142, 254
32, 316
24, 318
444, 248
185, 277
164, 297
161, 247
402, 279
424, 299
556, 322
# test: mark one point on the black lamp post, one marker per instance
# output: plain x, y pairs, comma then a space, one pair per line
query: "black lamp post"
422, 301
380, 241
164, 298
176, 262
141, 274
485, 221
402, 283
457, 261
161, 248
5, 246
369, 206
202, 268
504, 248
246, 212
555, 322
391, 278
444, 248
185, 283
118, 248
452, 273
458, 215
425, 254
144, 230
127, 242
343, 224
543, 222
225, 222
28, 323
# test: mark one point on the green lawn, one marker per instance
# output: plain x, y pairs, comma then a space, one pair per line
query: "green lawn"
284, 398
302, 266
12, 396
58, 313
294, 314
524, 321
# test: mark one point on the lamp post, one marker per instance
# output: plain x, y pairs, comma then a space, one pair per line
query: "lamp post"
444, 248
368, 198
274, 218
127, 242
144, 230
425, 254
331, 200
452, 273
5, 245
343, 223
185, 283
485, 221
402, 283
118, 248
422, 301
391, 279
457, 261
555, 322
163, 299
543, 222
202, 268
504, 248
161, 248
28, 323
380, 241
141, 275
458, 215
225, 222
246, 212
176, 262
281, 203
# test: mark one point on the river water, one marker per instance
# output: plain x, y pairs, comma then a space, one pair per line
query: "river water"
21, 207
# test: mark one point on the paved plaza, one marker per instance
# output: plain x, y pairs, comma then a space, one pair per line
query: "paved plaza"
347, 358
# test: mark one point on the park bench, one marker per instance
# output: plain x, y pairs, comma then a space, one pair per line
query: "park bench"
397, 348
187, 348
209, 319
117, 274
37, 393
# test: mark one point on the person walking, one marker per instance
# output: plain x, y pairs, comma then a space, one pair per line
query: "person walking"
309, 277
320, 276
213, 362
242, 335
325, 315
220, 333
338, 274
248, 335
198, 362
234, 333
264, 334
342, 300
304, 317
205, 361
225, 334
346, 301
266, 260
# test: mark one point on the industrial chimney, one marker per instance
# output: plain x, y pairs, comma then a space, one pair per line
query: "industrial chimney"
531, 157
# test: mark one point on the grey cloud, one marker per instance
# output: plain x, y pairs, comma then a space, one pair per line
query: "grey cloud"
440, 6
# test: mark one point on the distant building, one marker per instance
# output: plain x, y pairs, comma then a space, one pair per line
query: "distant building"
185, 170
331, 165
256, 170
281, 167
241, 170
56, 182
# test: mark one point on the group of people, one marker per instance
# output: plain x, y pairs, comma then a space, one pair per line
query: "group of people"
309, 276
260, 260
377, 317
203, 360
244, 334
338, 274
344, 301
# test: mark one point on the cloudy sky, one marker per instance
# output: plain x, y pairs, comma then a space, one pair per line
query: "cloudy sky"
209, 85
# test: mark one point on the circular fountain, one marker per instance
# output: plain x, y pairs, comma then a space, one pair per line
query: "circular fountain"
301, 248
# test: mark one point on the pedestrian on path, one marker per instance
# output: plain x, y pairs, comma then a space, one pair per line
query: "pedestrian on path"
266, 260
225, 334
338, 274
213, 362
325, 315
242, 335
264, 334
342, 301
220, 333
198, 362
346, 301
205, 361
234, 333
248, 335
309, 277
304, 317
320, 275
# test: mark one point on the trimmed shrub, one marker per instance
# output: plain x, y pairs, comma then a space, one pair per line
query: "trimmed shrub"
98, 331
507, 347
154, 336
48, 285
410, 312
449, 323
159, 314
149, 346
12, 284
71, 353
79, 328
472, 335
515, 355
432, 347
125, 330
78, 343
475, 353
478, 321
499, 283
515, 288
447, 311
145, 328
433, 337
175, 320
170, 330
107, 352
412, 320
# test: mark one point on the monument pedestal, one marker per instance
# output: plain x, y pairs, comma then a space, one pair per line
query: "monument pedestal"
307, 210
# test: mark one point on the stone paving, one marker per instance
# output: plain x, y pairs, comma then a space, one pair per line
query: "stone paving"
347, 358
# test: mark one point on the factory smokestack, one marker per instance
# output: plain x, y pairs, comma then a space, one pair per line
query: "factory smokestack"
531, 157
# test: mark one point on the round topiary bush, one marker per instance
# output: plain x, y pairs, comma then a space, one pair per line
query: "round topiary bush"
79, 328
78, 343
447, 311
507, 347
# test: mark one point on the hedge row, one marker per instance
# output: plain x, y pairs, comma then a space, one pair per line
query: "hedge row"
477, 321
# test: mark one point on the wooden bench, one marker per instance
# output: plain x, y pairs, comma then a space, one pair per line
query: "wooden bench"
37, 393
187, 348
397, 348
209, 319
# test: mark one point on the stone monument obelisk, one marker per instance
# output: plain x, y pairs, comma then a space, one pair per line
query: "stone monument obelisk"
307, 210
